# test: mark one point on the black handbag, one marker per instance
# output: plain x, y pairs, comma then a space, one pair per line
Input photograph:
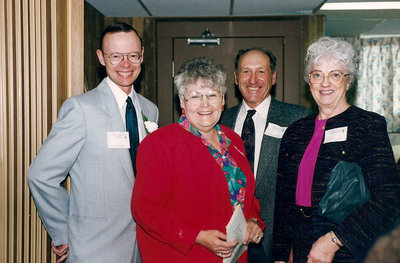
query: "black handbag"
345, 192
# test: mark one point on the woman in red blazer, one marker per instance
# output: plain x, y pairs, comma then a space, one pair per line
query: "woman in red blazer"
191, 175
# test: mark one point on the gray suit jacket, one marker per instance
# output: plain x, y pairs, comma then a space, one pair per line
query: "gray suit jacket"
282, 114
95, 218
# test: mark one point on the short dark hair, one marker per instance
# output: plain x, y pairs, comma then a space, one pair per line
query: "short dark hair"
272, 58
118, 27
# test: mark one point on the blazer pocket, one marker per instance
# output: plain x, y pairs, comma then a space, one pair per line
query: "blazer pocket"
87, 217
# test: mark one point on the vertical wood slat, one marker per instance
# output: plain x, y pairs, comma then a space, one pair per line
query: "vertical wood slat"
11, 134
54, 70
75, 46
43, 87
3, 137
54, 63
31, 91
26, 148
19, 185
34, 244
36, 100
39, 114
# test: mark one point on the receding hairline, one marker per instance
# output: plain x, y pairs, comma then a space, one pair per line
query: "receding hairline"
123, 32
260, 51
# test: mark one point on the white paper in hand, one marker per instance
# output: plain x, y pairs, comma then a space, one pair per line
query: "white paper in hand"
235, 230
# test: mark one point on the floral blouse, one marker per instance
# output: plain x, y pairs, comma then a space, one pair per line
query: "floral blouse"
234, 176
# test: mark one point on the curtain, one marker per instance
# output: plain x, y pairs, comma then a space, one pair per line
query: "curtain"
378, 85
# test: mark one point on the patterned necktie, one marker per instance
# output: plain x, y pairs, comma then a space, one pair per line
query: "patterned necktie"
249, 137
132, 128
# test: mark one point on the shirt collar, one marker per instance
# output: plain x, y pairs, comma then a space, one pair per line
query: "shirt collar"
262, 108
119, 95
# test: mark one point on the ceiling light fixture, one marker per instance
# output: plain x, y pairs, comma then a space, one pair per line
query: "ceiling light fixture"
361, 6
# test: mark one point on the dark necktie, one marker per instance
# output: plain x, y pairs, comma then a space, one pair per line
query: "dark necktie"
249, 137
132, 128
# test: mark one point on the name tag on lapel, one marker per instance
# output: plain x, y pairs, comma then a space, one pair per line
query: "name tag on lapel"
336, 135
275, 130
118, 140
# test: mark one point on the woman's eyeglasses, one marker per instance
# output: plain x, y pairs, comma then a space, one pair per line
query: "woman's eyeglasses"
196, 98
334, 76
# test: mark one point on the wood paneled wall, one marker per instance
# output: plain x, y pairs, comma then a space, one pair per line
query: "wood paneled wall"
94, 25
41, 64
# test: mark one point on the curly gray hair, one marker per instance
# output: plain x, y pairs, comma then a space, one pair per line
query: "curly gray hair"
332, 48
200, 68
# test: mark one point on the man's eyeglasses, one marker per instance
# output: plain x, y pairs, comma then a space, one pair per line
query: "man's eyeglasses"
116, 58
196, 98
334, 76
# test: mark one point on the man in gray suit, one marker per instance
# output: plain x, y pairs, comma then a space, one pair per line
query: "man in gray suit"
90, 142
255, 74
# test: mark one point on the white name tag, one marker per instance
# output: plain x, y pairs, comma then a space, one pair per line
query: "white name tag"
118, 140
275, 130
336, 135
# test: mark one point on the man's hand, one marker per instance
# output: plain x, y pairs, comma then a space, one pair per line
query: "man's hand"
254, 234
61, 251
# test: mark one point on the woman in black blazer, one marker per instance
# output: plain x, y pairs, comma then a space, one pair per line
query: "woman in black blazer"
310, 149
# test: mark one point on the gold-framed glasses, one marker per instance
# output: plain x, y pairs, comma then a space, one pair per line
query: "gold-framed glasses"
334, 76
196, 98
116, 58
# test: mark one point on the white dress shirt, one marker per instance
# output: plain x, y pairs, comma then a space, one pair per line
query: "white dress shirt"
260, 119
120, 97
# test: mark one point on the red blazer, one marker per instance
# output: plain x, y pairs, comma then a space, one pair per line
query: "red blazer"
179, 190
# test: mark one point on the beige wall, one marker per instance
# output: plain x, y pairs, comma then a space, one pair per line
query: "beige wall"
41, 64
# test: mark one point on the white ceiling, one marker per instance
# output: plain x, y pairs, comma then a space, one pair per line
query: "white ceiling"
338, 23
200, 8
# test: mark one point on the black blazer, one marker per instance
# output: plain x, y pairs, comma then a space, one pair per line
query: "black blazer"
367, 145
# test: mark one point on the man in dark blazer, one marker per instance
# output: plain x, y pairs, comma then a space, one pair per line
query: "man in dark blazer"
90, 143
255, 74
